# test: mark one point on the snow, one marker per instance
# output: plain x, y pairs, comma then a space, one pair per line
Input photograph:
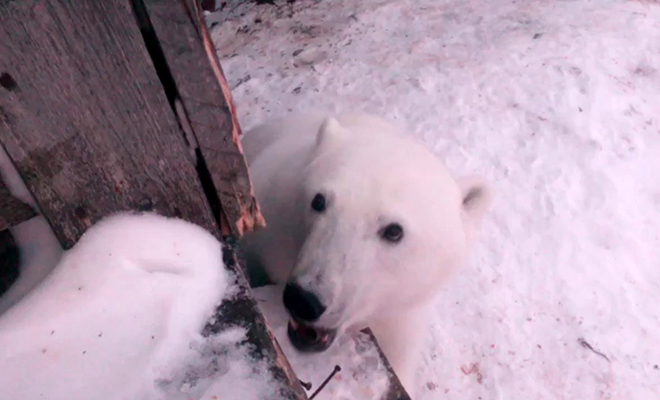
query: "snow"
558, 104
121, 316
363, 374
219, 367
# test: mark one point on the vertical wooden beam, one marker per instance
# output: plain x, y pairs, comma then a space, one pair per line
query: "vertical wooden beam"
200, 94
396, 390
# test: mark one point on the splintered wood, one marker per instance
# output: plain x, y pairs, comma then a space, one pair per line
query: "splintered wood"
86, 118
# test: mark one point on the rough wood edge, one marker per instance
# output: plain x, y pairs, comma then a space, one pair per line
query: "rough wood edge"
258, 221
242, 310
396, 390
251, 218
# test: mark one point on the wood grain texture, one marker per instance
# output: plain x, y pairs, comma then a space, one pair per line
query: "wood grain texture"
87, 122
243, 311
207, 107
12, 210
396, 390
84, 118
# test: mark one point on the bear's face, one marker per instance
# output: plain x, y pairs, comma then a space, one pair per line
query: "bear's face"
385, 224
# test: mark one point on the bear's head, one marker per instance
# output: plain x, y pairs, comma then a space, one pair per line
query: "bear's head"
384, 223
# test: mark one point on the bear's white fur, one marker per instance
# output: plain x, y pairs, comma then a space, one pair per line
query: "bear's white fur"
371, 175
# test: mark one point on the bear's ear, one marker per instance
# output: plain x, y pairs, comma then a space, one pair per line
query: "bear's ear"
330, 131
477, 197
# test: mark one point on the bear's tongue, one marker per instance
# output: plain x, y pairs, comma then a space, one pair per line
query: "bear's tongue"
309, 339
308, 333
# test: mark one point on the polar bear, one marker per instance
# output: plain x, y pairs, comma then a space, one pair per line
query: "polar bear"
364, 225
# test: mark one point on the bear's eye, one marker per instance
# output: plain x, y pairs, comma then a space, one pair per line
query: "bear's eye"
318, 203
392, 233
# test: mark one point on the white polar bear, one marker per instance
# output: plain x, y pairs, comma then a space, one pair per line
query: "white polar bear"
364, 225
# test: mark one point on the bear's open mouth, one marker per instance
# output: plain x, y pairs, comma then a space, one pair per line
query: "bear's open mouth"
306, 338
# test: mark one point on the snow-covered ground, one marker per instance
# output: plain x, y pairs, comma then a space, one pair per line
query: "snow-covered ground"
120, 318
558, 104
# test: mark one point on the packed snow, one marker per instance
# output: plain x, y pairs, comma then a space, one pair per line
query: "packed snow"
558, 104
218, 367
121, 316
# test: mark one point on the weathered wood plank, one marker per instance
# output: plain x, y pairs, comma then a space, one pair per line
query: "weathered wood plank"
84, 116
86, 121
396, 390
12, 210
244, 311
202, 100
206, 106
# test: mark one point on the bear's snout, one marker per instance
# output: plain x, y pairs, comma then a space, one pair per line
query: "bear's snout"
303, 305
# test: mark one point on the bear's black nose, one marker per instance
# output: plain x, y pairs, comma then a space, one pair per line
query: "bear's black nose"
302, 305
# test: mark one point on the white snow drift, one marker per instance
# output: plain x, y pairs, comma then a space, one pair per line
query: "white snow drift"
116, 316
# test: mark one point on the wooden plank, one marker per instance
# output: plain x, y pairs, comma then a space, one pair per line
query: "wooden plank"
204, 106
244, 311
396, 390
85, 119
196, 83
12, 210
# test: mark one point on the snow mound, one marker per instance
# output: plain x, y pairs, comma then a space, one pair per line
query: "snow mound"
120, 316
